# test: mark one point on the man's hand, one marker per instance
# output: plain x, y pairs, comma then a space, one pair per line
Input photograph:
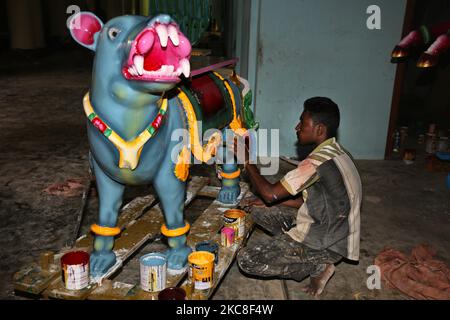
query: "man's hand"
241, 149
252, 202
269, 193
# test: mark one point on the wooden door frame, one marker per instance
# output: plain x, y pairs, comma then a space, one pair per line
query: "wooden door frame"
399, 80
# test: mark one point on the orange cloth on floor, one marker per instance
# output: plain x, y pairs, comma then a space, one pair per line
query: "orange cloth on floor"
418, 276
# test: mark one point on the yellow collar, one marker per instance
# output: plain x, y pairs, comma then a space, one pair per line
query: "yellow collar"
129, 151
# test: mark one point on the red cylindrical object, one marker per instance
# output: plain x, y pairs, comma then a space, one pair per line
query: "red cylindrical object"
75, 270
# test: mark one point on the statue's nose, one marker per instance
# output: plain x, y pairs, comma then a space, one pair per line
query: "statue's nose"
161, 18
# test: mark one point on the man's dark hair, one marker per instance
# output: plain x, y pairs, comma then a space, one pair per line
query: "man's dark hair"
325, 111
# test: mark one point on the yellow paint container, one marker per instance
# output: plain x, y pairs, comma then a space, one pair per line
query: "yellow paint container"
235, 218
201, 269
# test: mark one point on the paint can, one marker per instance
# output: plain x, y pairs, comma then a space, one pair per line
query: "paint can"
75, 270
227, 237
201, 269
153, 272
409, 155
235, 218
172, 293
209, 246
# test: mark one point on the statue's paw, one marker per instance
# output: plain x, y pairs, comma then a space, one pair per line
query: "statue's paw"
229, 195
177, 257
101, 262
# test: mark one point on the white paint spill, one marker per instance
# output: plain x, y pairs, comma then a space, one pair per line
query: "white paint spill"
121, 252
98, 280
122, 285
206, 223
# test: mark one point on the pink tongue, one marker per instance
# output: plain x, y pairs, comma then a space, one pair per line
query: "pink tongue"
145, 42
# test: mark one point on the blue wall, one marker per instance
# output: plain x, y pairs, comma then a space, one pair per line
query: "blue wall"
324, 48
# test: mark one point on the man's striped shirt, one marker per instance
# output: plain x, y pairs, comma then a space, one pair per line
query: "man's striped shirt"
331, 188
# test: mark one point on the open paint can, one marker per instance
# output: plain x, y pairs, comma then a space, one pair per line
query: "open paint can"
235, 218
75, 270
227, 237
209, 246
153, 272
172, 293
201, 269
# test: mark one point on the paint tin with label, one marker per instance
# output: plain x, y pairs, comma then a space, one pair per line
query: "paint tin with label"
227, 237
235, 218
153, 272
201, 269
209, 246
75, 270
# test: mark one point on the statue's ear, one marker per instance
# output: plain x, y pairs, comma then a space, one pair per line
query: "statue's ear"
85, 28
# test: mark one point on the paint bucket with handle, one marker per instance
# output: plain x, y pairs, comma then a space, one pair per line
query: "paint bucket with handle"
153, 272
75, 270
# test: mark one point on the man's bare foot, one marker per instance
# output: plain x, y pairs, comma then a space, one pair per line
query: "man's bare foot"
317, 284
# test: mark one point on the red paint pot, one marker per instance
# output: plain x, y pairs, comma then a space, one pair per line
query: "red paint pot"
75, 270
172, 293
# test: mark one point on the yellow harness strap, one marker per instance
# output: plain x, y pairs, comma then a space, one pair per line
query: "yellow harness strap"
201, 153
236, 124
129, 151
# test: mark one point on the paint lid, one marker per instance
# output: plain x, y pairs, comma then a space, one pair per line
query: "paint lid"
201, 257
209, 245
234, 213
172, 293
153, 259
75, 257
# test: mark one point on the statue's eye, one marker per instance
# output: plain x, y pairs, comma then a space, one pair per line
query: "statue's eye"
113, 33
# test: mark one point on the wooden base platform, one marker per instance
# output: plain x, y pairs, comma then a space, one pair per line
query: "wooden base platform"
140, 221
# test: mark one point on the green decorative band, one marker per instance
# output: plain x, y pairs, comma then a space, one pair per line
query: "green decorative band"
425, 34
92, 116
151, 130
162, 112
107, 132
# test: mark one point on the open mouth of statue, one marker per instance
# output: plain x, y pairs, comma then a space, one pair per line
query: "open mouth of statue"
160, 53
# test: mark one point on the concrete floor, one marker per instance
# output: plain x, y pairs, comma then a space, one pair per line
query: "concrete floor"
43, 141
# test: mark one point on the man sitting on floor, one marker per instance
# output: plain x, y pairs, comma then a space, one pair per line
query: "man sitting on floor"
326, 189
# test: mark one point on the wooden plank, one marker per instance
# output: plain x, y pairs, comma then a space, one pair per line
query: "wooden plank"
33, 279
129, 213
208, 224
209, 191
133, 237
